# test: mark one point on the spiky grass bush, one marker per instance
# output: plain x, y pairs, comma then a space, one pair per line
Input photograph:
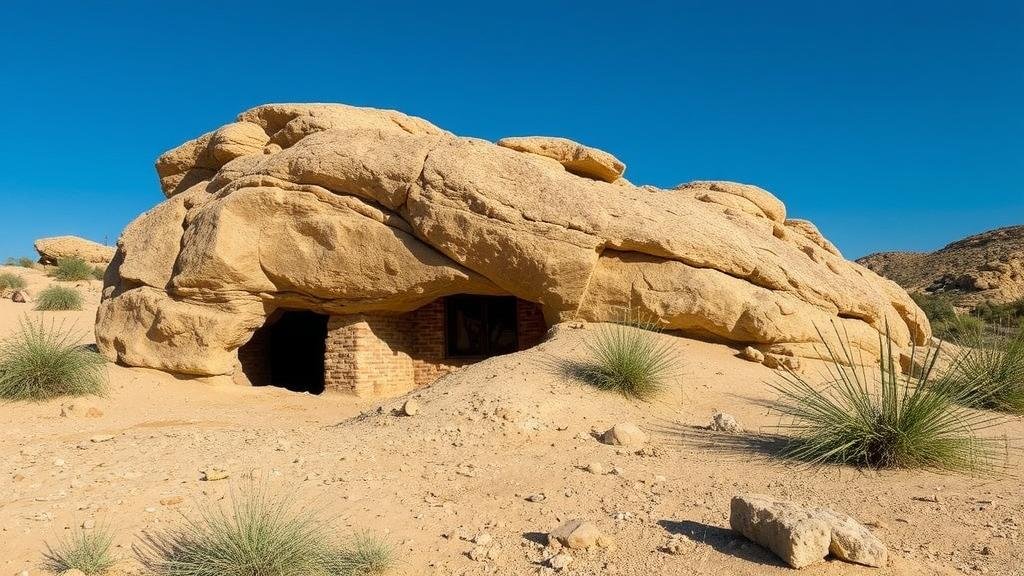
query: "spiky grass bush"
9, 281
257, 534
989, 372
98, 272
364, 554
86, 550
42, 361
627, 358
56, 298
891, 421
72, 269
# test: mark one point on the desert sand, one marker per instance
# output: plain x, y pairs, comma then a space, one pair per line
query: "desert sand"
488, 440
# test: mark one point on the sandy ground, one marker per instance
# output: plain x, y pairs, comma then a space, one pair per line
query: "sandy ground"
489, 437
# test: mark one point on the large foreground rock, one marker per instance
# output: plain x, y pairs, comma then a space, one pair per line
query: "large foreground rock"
802, 536
339, 210
56, 248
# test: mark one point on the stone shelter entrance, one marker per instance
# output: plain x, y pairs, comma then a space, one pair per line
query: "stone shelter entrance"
386, 354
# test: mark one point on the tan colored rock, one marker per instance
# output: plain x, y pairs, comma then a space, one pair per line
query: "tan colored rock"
624, 434
802, 536
56, 248
767, 204
578, 534
576, 158
752, 354
338, 209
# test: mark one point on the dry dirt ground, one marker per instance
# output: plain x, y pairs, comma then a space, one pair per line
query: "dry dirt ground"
487, 439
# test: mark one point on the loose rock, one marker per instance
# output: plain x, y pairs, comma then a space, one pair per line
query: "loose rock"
410, 408
752, 354
722, 422
624, 434
800, 535
578, 534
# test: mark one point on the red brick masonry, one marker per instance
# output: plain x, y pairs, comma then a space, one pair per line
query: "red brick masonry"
377, 355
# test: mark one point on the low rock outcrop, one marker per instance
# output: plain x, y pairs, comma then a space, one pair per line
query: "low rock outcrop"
58, 248
344, 210
801, 535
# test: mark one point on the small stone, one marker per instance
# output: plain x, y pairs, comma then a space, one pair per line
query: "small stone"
410, 408
988, 551
214, 474
722, 422
19, 296
88, 524
781, 362
752, 354
624, 434
482, 539
59, 462
595, 468
172, 501
560, 561
478, 553
578, 534
536, 497
101, 438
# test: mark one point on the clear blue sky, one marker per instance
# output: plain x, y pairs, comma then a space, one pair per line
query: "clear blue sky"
892, 125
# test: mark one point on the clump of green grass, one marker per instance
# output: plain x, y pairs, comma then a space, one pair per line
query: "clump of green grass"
98, 272
958, 327
9, 281
936, 307
364, 554
56, 298
989, 372
260, 534
72, 269
86, 550
890, 421
41, 361
629, 359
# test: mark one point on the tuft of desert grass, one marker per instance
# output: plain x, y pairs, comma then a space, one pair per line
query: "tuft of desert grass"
257, 534
23, 262
989, 372
41, 361
363, 554
57, 298
72, 269
628, 359
9, 281
885, 421
85, 550
98, 272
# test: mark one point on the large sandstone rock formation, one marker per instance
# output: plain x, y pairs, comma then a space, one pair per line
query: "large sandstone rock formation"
984, 267
56, 248
342, 210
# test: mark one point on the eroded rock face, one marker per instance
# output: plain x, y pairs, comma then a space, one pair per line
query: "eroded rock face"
58, 248
339, 210
802, 535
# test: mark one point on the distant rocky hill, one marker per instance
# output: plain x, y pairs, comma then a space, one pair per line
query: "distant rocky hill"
986, 267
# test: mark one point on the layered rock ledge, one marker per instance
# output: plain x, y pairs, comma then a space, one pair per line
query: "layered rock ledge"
342, 210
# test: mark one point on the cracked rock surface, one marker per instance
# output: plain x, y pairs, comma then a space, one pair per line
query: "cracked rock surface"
339, 209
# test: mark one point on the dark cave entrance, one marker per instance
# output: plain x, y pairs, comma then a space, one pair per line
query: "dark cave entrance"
287, 352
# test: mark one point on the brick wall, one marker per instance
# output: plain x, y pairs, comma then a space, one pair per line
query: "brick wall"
377, 355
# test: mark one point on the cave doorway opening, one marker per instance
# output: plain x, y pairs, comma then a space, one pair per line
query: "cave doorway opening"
287, 352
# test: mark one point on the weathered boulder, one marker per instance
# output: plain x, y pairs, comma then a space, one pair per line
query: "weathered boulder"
338, 210
61, 247
802, 535
575, 157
